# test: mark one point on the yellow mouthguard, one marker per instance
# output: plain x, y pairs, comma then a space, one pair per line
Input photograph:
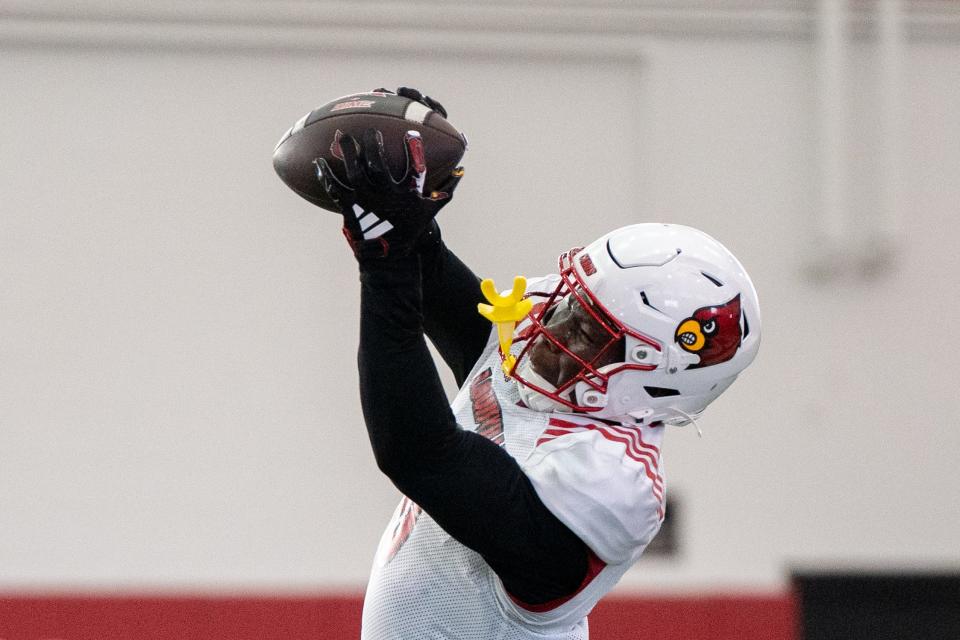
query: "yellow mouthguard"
505, 312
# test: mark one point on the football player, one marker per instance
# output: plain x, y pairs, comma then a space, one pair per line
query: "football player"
528, 498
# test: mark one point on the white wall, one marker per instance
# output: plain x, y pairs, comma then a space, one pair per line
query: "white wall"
178, 403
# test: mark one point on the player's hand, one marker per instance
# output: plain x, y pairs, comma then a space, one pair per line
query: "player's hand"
383, 216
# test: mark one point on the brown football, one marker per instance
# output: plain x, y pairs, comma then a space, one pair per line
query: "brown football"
313, 136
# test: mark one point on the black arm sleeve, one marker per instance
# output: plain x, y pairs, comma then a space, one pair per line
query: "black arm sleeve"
451, 292
473, 488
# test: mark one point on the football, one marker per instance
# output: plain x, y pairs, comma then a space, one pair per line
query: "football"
316, 135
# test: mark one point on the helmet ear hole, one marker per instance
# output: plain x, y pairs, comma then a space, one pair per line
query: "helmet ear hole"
594, 398
644, 354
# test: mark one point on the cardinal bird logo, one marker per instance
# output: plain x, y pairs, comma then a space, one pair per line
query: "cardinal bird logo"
713, 333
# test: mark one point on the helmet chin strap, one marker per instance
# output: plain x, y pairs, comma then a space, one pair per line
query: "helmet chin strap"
539, 402
686, 419
534, 399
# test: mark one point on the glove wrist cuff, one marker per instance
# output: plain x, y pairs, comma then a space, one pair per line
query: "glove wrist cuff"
377, 249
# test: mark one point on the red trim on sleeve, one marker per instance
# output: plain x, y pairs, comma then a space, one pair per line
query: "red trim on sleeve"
636, 448
594, 566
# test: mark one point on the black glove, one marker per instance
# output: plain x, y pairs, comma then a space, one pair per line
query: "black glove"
383, 216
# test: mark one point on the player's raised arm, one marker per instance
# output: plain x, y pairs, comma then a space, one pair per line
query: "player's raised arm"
450, 289
471, 486
531, 495
450, 295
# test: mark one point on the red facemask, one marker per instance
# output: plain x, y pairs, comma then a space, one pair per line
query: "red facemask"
572, 337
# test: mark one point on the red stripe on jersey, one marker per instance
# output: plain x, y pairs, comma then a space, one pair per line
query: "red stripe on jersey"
552, 433
636, 448
594, 566
640, 447
646, 465
631, 438
407, 518
634, 433
638, 438
631, 447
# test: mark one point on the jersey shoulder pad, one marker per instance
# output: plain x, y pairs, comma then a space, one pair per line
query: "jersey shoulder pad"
603, 481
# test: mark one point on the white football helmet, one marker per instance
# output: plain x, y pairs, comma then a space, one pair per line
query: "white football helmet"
684, 309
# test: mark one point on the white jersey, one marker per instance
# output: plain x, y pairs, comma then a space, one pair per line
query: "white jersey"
604, 481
